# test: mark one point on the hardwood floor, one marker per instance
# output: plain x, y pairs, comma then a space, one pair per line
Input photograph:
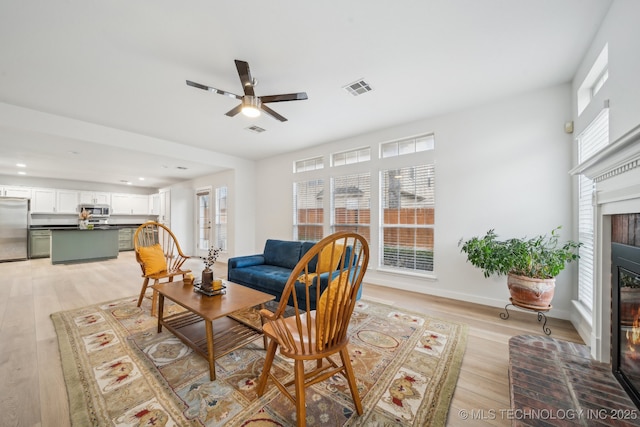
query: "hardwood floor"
33, 392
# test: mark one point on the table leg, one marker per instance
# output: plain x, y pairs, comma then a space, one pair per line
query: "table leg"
265, 341
160, 311
210, 355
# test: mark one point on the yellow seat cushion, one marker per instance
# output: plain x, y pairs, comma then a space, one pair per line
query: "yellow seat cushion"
153, 259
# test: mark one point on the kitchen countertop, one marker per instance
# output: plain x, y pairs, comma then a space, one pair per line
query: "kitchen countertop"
75, 227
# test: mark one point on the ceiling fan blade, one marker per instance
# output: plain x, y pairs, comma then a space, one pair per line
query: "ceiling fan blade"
300, 96
234, 111
245, 77
272, 113
213, 89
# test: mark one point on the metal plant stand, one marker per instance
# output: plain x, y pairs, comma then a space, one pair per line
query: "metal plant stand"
539, 310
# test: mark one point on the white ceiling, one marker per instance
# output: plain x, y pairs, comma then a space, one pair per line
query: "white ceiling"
68, 69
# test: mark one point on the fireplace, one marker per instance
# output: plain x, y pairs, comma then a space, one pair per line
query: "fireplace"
625, 346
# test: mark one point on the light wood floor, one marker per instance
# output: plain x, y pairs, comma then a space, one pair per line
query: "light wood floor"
32, 389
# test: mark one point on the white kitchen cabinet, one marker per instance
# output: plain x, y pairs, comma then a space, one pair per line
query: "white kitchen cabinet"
9, 191
164, 216
66, 201
44, 200
95, 197
129, 204
154, 204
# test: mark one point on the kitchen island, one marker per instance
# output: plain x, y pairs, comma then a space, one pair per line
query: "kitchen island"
69, 245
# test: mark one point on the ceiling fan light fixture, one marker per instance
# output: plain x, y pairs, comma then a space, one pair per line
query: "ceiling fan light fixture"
251, 106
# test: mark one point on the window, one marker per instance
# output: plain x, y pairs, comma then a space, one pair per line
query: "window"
308, 215
221, 218
594, 138
308, 164
407, 217
594, 81
351, 204
352, 156
407, 146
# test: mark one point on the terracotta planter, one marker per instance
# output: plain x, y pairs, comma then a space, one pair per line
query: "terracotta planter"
531, 293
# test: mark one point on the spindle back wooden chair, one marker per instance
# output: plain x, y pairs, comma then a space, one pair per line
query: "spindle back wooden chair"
333, 270
159, 255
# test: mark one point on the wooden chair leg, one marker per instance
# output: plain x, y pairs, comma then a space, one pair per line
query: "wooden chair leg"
301, 409
351, 379
268, 361
154, 300
144, 289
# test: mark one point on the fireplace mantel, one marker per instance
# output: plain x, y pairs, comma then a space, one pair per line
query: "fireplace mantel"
615, 171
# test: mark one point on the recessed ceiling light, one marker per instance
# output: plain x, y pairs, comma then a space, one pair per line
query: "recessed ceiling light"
141, 178
21, 165
21, 173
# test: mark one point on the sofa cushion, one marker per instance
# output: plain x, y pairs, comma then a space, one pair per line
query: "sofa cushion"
265, 278
281, 253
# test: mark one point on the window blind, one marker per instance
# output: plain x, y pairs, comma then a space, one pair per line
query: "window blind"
408, 209
308, 214
593, 139
351, 204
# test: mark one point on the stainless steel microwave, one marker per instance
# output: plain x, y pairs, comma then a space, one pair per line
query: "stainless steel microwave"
96, 211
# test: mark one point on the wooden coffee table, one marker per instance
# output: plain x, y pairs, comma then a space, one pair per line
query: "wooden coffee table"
205, 326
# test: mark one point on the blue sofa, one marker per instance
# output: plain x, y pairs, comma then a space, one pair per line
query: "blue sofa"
268, 272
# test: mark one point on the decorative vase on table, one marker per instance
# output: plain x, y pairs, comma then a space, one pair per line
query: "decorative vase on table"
83, 224
207, 273
207, 279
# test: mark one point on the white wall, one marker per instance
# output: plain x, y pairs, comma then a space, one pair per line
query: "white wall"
621, 31
503, 165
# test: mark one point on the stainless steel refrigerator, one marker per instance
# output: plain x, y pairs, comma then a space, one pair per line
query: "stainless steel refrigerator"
14, 228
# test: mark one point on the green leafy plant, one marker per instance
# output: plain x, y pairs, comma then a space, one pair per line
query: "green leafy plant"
540, 257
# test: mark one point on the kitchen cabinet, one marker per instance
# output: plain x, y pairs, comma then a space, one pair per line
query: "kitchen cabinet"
95, 197
129, 204
8, 191
40, 243
50, 200
164, 216
154, 204
125, 239
44, 200
66, 201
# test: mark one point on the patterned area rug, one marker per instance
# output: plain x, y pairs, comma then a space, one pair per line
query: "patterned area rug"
120, 372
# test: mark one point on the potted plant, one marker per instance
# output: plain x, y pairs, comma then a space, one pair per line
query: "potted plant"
531, 265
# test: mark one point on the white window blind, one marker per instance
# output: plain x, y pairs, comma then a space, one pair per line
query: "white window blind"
593, 138
308, 215
351, 204
308, 164
407, 216
351, 157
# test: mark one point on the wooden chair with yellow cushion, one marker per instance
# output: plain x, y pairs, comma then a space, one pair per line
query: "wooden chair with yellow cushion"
159, 255
339, 262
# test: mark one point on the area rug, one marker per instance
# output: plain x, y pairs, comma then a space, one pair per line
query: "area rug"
120, 372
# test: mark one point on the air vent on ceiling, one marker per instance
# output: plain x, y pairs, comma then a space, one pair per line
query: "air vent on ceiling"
255, 129
358, 87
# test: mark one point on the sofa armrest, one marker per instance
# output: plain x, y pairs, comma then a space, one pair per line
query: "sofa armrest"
245, 261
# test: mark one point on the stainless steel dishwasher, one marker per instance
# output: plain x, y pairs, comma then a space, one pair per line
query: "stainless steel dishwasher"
39, 243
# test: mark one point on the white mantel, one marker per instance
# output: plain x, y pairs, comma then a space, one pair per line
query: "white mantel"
616, 172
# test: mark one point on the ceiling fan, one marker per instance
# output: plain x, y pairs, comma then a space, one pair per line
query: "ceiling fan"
251, 104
